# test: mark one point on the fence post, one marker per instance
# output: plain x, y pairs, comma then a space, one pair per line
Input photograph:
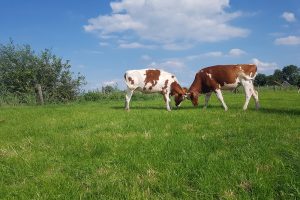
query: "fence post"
39, 94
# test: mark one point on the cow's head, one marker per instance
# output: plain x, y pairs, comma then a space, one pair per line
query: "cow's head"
193, 96
179, 97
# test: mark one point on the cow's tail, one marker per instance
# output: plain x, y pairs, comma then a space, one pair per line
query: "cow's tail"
247, 77
250, 77
127, 81
126, 78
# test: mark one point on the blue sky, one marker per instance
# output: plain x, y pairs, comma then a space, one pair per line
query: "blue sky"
105, 38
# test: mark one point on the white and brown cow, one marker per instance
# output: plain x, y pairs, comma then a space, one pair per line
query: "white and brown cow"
224, 77
153, 81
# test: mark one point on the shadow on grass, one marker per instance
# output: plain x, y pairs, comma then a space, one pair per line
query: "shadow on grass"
164, 108
284, 111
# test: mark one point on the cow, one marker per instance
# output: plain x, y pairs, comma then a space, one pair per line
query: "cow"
154, 81
224, 77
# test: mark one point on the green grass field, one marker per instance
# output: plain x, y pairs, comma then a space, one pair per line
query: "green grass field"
99, 151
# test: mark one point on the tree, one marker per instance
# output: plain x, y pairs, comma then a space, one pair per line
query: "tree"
260, 79
16, 69
270, 80
59, 84
110, 88
291, 74
21, 70
278, 76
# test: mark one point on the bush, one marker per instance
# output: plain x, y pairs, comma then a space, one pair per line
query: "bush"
14, 100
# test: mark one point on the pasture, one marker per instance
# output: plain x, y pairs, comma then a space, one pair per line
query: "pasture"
96, 150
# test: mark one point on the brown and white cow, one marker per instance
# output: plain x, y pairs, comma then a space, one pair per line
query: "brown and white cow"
153, 81
224, 77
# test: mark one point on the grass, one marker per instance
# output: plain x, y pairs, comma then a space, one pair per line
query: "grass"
98, 151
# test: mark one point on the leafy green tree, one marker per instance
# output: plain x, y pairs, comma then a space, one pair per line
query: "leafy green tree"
260, 79
270, 80
110, 88
21, 70
16, 69
278, 76
291, 74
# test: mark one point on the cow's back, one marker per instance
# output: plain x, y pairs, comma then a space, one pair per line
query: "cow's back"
220, 74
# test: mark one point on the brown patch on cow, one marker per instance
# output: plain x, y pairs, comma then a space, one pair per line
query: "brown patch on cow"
176, 89
152, 76
131, 80
150, 88
166, 85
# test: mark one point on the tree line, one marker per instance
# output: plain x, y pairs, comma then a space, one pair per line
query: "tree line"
44, 75
289, 74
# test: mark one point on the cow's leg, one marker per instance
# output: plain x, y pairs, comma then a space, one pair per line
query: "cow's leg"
127, 98
207, 97
220, 97
249, 91
255, 96
167, 100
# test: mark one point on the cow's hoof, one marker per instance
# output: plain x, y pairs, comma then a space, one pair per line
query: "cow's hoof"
257, 107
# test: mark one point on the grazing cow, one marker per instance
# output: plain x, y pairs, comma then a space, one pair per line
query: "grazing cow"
153, 81
224, 77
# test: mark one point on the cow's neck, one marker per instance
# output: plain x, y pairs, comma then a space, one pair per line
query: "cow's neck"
176, 89
196, 86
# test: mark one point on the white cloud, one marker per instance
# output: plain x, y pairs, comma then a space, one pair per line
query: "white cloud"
146, 57
113, 82
289, 16
290, 40
174, 25
236, 52
264, 67
109, 83
213, 54
113, 23
169, 64
174, 46
103, 44
174, 66
135, 45
232, 53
